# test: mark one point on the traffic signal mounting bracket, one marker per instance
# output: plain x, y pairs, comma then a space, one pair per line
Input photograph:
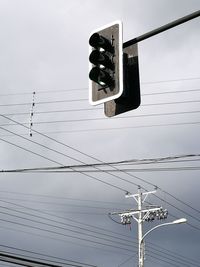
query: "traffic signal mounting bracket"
130, 98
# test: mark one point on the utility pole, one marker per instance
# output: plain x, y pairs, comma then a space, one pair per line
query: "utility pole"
140, 215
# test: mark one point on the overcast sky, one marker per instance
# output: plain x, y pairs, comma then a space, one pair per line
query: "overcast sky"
44, 49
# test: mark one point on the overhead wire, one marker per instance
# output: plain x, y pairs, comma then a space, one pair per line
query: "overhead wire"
92, 177
122, 128
66, 235
28, 150
197, 228
157, 254
161, 160
45, 255
85, 99
103, 119
93, 247
60, 197
158, 250
46, 262
62, 223
100, 118
85, 88
85, 155
171, 254
163, 260
128, 170
59, 239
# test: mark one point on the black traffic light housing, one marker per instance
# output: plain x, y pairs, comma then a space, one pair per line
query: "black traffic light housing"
106, 63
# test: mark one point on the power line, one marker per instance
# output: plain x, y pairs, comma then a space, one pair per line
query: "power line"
85, 88
123, 128
105, 119
153, 252
167, 159
28, 150
44, 102
173, 80
57, 239
65, 224
50, 138
90, 157
171, 92
48, 256
85, 99
160, 198
63, 234
94, 178
20, 259
162, 260
174, 255
187, 168
60, 198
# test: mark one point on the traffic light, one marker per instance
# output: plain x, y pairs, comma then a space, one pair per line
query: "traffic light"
106, 64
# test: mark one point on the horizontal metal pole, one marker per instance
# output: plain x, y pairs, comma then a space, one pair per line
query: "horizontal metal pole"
162, 29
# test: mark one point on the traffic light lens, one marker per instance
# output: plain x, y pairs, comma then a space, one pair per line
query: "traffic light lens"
97, 58
94, 40
101, 77
98, 41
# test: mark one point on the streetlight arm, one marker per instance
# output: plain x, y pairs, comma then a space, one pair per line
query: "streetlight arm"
179, 221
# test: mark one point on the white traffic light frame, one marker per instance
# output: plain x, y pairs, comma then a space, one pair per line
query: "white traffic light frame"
102, 96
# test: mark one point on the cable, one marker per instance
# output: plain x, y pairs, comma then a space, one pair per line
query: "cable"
10, 257
165, 201
75, 89
42, 145
162, 260
180, 258
173, 80
49, 256
167, 159
94, 178
103, 119
58, 204
187, 168
81, 153
27, 150
65, 224
100, 118
109, 216
85, 99
50, 138
45, 91
61, 198
44, 102
63, 170
51, 111
171, 92
122, 128
78, 151
65, 235
60, 240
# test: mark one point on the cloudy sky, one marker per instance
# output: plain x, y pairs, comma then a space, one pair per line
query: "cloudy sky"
44, 60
